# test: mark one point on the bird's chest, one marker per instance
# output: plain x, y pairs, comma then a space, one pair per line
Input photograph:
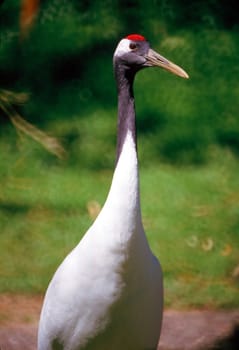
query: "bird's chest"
109, 267
111, 288
107, 287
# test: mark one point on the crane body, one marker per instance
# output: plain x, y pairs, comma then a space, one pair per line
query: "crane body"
108, 292
108, 282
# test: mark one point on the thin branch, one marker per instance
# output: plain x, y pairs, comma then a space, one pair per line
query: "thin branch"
7, 101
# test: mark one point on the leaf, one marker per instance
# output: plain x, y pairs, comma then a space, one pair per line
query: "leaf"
192, 241
28, 13
93, 208
227, 250
235, 273
207, 244
7, 101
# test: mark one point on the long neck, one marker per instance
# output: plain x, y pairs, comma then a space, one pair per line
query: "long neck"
124, 190
126, 108
122, 208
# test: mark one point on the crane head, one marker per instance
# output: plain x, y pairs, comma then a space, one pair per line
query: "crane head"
134, 52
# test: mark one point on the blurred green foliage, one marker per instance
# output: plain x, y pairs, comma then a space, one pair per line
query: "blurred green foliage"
190, 215
65, 64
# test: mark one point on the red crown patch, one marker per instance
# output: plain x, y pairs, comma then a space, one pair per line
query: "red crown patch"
136, 37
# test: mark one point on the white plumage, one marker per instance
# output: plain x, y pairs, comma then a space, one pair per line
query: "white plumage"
107, 294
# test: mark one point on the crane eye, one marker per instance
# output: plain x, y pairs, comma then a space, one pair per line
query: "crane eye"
132, 46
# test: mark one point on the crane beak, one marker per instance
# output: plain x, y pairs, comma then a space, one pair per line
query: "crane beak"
153, 59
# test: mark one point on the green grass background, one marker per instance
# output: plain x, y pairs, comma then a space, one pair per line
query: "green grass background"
190, 215
188, 141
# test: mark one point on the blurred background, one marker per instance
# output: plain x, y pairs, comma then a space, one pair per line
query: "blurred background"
58, 115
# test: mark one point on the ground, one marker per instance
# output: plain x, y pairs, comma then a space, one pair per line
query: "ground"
182, 330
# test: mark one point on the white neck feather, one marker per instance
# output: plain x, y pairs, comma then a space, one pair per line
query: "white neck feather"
123, 202
125, 184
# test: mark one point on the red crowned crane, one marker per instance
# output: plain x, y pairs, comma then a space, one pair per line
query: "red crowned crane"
108, 292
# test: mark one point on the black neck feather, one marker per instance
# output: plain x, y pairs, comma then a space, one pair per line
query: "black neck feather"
126, 108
